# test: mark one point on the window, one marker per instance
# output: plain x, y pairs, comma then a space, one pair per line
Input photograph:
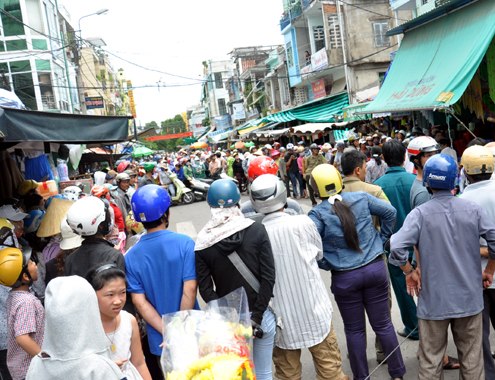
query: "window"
16, 45
334, 31
319, 37
39, 44
222, 109
12, 18
24, 89
43, 65
218, 80
290, 57
423, 2
379, 30
20, 66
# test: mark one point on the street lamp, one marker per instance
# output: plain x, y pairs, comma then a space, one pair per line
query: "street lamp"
97, 13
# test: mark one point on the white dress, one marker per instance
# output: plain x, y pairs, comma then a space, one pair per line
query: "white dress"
120, 341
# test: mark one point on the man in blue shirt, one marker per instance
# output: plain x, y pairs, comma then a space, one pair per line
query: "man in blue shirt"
160, 268
449, 285
397, 183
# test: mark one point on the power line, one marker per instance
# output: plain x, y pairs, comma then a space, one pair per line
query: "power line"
370, 11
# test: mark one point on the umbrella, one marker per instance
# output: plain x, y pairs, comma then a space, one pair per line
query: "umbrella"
239, 145
249, 144
141, 151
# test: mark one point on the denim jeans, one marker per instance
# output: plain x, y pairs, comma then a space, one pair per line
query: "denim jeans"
296, 180
263, 348
361, 290
171, 190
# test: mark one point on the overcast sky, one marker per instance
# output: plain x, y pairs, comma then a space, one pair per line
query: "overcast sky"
174, 37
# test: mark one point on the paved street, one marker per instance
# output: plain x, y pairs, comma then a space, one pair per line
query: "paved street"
189, 219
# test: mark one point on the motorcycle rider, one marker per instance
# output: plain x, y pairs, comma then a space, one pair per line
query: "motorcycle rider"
120, 195
165, 180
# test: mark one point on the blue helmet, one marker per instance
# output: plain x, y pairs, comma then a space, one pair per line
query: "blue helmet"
149, 203
223, 193
440, 172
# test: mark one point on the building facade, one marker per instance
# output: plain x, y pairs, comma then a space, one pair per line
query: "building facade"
37, 51
335, 46
215, 96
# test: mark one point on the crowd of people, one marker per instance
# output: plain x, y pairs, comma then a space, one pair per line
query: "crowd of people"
85, 278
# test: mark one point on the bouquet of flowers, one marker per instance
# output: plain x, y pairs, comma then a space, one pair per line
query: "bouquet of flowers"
212, 344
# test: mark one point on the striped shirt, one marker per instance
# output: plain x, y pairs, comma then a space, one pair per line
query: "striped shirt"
300, 297
25, 316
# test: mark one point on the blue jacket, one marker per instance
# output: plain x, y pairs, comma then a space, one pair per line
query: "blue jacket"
363, 205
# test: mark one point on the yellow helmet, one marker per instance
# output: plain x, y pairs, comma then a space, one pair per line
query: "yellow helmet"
7, 235
11, 266
477, 159
326, 179
26, 186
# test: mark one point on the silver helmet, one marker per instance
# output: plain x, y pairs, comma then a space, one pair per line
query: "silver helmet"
268, 194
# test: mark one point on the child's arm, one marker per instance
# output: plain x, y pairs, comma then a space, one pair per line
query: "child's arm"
28, 344
137, 356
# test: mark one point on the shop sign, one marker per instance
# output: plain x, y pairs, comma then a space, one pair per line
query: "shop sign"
239, 113
318, 89
93, 102
319, 60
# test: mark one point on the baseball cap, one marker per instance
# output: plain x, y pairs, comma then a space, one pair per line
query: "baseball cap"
12, 213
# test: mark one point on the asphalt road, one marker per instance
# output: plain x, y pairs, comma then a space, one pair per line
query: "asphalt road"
189, 219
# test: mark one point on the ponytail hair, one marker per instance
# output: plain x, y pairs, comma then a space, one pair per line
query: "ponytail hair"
348, 222
376, 152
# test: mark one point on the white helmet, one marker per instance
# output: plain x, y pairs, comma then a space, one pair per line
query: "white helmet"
290, 146
72, 193
422, 144
268, 194
86, 215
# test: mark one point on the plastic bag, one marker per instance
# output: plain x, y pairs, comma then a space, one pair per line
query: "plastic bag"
212, 344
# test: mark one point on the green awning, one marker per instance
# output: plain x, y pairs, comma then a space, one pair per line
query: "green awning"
436, 61
323, 111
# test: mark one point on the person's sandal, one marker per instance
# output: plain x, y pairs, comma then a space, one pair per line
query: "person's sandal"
452, 363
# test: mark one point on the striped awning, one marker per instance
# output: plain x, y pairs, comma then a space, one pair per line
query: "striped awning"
320, 111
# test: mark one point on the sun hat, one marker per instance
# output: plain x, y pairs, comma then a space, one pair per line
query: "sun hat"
57, 210
12, 213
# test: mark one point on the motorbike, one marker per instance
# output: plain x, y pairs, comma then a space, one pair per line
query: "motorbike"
199, 188
182, 193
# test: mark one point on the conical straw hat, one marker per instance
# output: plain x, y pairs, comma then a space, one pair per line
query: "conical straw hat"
50, 224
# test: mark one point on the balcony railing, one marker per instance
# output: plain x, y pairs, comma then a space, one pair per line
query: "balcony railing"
284, 21
293, 12
439, 3
48, 102
306, 3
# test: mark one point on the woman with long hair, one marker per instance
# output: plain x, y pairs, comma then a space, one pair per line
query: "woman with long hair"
353, 251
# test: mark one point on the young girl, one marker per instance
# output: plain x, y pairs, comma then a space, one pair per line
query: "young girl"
120, 327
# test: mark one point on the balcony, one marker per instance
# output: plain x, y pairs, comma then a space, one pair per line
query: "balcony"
292, 13
48, 102
402, 5
285, 21
306, 3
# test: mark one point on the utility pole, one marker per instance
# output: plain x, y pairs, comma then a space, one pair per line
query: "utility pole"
348, 80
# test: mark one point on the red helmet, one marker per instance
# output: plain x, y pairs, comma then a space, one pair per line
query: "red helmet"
122, 166
99, 191
275, 153
261, 165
